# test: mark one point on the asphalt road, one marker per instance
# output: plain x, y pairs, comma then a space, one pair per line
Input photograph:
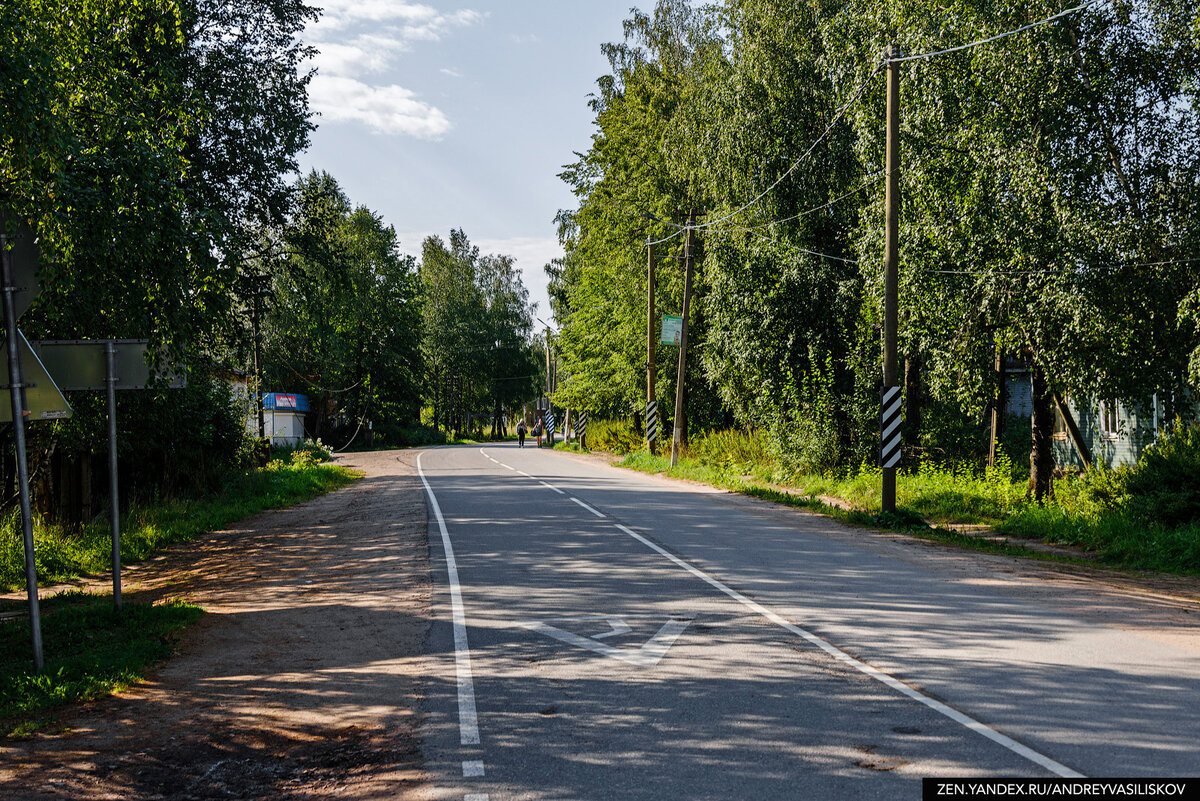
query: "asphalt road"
601, 634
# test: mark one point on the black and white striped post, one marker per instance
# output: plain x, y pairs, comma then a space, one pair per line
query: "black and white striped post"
581, 429
651, 423
550, 427
889, 428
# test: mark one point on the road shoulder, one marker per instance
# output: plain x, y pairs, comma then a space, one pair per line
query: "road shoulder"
303, 681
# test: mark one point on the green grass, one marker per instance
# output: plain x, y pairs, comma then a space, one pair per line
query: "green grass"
1077, 515
63, 554
90, 651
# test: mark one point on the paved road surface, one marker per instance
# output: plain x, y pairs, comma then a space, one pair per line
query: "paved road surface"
600, 634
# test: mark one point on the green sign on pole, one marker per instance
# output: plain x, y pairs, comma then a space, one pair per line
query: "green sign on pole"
672, 330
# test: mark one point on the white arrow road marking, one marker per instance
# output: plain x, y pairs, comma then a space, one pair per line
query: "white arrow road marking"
618, 627
648, 655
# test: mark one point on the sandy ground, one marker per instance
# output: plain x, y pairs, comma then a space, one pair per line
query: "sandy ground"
302, 682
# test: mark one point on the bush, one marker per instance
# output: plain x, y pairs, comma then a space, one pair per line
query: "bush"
393, 435
804, 434
1164, 486
731, 450
614, 436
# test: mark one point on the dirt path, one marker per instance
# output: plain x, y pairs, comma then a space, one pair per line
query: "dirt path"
302, 682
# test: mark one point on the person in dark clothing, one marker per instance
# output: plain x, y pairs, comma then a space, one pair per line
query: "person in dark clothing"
521, 434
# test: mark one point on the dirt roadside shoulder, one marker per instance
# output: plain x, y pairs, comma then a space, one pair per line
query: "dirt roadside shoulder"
302, 682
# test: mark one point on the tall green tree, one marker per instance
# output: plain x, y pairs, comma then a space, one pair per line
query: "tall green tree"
477, 327
343, 317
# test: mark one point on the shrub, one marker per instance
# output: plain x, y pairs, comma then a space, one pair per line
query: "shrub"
613, 436
734, 451
1164, 486
804, 435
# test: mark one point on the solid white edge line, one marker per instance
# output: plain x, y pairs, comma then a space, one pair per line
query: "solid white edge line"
958, 717
468, 717
590, 509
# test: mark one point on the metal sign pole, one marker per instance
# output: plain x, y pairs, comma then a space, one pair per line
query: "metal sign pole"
18, 414
110, 349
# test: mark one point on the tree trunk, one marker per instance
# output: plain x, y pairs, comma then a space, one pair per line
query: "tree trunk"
1041, 458
913, 400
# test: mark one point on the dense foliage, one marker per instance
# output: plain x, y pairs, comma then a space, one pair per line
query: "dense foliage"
1051, 213
152, 147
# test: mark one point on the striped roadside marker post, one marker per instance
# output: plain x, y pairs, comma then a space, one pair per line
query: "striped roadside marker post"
889, 428
651, 423
581, 429
550, 426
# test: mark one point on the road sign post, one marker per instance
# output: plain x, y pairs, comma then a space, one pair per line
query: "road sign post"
15, 387
109, 365
114, 514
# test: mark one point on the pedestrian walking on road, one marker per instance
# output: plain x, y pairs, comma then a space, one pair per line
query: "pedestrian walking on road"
520, 433
537, 432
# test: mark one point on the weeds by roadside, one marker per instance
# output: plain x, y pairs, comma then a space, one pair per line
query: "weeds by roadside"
91, 651
64, 554
1133, 518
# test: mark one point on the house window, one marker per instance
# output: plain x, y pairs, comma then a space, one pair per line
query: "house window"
1110, 424
1060, 425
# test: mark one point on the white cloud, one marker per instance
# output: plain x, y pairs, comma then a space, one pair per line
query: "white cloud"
450, 72
359, 38
410, 22
342, 13
385, 109
361, 55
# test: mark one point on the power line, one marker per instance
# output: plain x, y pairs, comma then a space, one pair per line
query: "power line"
867, 181
1062, 271
797, 247
1006, 34
840, 113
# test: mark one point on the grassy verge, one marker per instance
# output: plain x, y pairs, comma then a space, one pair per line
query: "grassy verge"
91, 651
947, 496
63, 554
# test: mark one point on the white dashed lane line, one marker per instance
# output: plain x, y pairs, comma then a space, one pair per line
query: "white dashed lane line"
838, 654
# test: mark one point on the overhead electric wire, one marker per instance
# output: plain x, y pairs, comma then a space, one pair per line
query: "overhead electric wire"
866, 181
997, 37
797, 247
840, 113
1064, 270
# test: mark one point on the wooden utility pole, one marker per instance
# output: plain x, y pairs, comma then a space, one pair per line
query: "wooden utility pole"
998, 406
258, 399
650, 339
677, 434
891, 260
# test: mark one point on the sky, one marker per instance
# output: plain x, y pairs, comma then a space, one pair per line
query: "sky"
438, 115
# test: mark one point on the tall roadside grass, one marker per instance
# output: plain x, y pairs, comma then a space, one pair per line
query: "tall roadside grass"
1142, 518
64, 554
91, 651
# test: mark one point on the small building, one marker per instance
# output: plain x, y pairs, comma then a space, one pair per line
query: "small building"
1117, 433
283, 418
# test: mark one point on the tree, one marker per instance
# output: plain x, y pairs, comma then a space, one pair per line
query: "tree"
477, 328
344, 321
